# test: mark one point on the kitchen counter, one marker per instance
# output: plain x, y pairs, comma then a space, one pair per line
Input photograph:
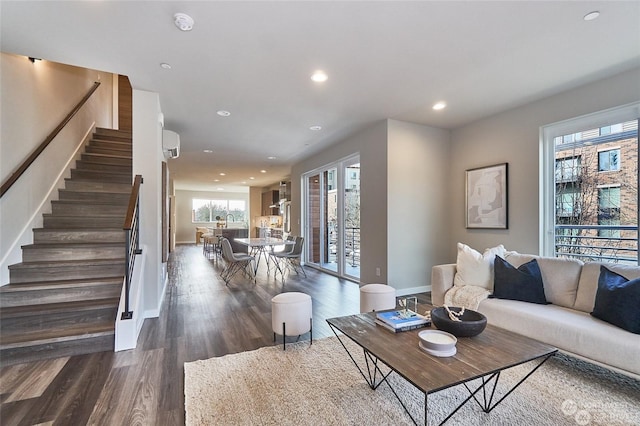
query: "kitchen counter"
233, 233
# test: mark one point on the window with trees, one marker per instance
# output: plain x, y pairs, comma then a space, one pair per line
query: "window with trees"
588, 214
204, 211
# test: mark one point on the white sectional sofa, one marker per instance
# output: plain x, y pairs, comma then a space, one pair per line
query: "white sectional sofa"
570, 286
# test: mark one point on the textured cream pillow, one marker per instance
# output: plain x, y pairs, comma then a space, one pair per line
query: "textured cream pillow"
473, 268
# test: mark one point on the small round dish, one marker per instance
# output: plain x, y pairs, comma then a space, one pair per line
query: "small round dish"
445, 353
437, 340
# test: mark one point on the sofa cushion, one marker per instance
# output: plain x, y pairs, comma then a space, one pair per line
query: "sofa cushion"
473, 268
560, 276
568, 330
523, 283
618, 300
585, 299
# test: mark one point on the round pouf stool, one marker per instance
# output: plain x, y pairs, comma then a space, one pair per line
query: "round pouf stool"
291, 315
377, 297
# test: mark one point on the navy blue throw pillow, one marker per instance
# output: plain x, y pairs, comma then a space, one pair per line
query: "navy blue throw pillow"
618, 300
524, 283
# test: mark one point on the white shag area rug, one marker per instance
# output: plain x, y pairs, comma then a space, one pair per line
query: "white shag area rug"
320, 385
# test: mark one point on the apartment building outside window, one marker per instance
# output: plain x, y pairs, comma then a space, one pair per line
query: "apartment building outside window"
594, 188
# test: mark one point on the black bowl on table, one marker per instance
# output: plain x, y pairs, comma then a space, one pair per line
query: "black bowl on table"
471, 322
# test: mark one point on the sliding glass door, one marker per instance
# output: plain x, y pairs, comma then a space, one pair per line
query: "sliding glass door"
332, 218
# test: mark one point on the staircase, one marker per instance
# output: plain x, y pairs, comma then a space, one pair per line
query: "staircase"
62, 300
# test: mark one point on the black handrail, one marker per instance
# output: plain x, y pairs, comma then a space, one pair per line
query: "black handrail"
132, 248
31, 158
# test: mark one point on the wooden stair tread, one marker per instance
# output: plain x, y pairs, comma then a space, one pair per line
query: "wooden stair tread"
99, 155
111, 191
42, 337
66, 263
79, 229
53, 308
72, 245
61, 284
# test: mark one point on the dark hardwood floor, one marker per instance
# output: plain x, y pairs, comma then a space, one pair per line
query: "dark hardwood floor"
200, 318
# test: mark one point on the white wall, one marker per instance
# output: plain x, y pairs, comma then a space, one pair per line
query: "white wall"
35, 97
185, 229
371, 143
403, 201
147, 161
417, 200
513, 137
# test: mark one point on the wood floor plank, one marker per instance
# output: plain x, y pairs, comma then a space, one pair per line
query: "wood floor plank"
200, 318
34, 381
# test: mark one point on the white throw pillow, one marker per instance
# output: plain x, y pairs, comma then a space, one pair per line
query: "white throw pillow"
473, 268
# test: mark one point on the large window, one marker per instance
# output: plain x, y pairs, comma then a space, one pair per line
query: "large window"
590, 196
230, 211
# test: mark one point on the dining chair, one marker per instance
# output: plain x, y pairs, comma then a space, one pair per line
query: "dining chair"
235, 262
290, 260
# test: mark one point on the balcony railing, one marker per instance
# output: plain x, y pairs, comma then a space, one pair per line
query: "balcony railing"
586, 243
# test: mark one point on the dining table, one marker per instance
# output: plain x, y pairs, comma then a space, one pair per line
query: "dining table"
261, 247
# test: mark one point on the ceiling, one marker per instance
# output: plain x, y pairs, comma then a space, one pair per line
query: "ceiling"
384, 60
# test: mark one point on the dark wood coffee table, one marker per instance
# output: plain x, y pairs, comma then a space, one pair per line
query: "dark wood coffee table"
480, 357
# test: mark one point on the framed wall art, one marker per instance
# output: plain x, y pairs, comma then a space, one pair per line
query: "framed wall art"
486, 197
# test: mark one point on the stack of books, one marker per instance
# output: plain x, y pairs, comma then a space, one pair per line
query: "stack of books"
401, 320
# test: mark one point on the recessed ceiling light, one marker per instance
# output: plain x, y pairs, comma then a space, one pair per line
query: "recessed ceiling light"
216, 180
183, 21
244, 182
271, 157
591, 15
315, 128
251, 178
165, 65
223, 113
223, 174
439, 106
263, 171
319, 76
208, 151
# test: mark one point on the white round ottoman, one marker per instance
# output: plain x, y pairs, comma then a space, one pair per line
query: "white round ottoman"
377, 297
291, 315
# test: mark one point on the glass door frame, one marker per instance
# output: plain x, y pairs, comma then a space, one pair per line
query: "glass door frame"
339, 167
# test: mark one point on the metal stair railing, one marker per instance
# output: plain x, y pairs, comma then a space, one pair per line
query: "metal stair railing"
132, 229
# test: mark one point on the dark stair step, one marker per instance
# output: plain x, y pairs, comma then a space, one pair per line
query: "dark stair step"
61, 221
119, 160
72, 208
48, 292
82, 339
102, 172
40, 317
78, 235
104, 143
97, 148
114, 133
65, 270
85, 251
96, 186
94, 197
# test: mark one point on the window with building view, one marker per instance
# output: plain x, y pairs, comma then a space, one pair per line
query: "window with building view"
595, 192
209, 211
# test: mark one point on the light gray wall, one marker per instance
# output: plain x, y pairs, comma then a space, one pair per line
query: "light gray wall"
513, 137
417, 200
185, 229
147, 161
35, 98
371, 143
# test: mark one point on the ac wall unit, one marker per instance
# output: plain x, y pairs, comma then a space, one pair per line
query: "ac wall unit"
170, 144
